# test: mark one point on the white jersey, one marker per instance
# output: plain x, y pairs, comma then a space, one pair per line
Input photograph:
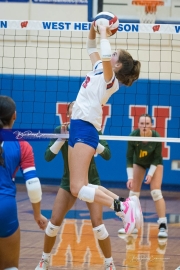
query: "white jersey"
93, 94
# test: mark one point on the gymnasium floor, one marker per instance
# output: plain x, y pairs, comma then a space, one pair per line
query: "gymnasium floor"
76, 247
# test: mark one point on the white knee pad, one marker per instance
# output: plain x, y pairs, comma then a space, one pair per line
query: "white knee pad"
156, 194
12, 268
93, 186
86, 194
132, 193
52, 230
100, 232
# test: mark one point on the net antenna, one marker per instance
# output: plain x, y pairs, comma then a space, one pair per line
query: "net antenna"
147, 9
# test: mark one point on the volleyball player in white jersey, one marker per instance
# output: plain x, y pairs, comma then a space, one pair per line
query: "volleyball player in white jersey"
86, 121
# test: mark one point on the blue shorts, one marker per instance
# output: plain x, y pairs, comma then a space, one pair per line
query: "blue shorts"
8, 215
83, 132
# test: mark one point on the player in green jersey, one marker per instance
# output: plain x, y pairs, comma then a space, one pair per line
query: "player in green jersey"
142, 156
65, 200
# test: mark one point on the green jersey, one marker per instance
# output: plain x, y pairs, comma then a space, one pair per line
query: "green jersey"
93, 175
144, 153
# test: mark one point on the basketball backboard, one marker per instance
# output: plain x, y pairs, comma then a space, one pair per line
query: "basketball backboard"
131, 11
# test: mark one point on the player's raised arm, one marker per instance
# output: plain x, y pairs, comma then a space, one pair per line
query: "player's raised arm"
91, 46
106, 53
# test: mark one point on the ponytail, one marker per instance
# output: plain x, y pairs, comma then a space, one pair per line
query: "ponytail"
130, 69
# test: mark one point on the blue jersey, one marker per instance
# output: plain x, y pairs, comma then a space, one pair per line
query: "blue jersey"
16, 154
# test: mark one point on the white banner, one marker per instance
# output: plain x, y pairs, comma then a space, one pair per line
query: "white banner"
85, 26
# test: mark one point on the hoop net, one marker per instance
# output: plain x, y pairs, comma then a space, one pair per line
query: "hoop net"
147, 9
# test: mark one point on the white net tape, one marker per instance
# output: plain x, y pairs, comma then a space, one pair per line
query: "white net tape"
27, 35
30, 135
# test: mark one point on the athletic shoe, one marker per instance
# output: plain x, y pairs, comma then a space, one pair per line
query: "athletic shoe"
122, 231
128, 216
138, 211
110, 266
130, 240
178, 268
162, 230
43, 265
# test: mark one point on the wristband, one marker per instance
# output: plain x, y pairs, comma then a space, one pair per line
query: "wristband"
152, 170
100, 148
105, 50
129, 173
91, 46
57, 146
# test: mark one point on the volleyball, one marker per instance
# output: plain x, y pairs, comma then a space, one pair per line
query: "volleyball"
106, 19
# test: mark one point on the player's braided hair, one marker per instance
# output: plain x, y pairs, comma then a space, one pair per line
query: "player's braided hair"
130, 68
7, 109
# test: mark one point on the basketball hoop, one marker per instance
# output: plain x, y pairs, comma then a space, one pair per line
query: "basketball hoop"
147, 9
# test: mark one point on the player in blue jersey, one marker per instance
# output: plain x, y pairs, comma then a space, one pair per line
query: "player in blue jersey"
14, 154
99, 85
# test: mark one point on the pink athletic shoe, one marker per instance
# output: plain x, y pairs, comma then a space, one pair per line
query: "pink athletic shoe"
127, 215
138, 211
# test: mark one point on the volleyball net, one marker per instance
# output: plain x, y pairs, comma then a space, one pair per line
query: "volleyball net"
43, 64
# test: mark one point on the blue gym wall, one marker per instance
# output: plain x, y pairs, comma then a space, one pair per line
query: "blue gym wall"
36, 98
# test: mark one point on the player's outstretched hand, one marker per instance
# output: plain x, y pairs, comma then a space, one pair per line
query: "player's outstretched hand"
65, 128
41, 221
